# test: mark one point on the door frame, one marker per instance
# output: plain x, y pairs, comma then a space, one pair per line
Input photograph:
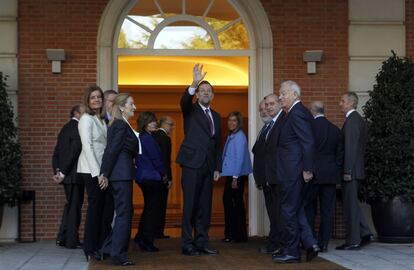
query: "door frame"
260, 73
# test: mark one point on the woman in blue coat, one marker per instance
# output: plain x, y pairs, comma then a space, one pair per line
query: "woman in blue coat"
118, 167
236, 167
150, 175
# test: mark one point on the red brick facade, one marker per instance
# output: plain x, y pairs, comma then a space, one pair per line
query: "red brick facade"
298, 26
44, 99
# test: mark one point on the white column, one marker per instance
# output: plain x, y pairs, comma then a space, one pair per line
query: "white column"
375, 28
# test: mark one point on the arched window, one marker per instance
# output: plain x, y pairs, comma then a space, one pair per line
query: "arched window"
181, 24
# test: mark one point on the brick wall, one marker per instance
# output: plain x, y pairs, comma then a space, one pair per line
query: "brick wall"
45, 98
300, 25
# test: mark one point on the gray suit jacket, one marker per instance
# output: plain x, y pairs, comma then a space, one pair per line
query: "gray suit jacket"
354, 133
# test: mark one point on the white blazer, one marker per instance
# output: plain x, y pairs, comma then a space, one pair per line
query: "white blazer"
92, 131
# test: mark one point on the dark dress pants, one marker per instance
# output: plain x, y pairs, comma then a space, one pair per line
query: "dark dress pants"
272, 202
234, 210
355, 224
326, 193
99, 214
117, 242
151, 214
296, 226
197, 186
71, 218
160, 225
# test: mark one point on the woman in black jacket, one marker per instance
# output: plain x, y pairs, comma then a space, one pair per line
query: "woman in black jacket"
150, 176
118, 167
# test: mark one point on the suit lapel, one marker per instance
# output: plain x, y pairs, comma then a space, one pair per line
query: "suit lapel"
275, 129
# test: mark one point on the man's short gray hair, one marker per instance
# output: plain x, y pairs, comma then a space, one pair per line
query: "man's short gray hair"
273, 95
353, 97
292, 85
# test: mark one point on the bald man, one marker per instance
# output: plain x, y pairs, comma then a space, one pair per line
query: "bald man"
329, 154
162, 136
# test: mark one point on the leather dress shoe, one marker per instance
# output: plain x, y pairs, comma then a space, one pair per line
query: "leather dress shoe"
63, 244
366, 240
278, 251
207, 251
78, 245
285, 259
312, 252
190, 252
60, 243
267, 250
324, 248
348, 247
124, 263
146, 247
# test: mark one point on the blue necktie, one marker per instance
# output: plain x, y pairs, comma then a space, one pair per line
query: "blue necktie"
268, 129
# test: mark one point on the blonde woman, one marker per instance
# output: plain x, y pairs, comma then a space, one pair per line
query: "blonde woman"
118, 167
92, 131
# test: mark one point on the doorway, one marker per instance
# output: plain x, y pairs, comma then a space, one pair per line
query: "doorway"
260, 53
157, 83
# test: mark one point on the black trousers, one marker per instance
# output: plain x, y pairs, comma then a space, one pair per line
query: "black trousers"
296, 227
151, 214
99, 214
71, 218
234, 210
326, 195
160, 226
197, 186
355, 224
117, 242
272, 201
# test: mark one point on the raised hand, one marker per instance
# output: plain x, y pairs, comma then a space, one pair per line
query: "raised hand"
198, 75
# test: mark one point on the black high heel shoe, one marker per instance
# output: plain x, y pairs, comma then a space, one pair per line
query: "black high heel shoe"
100, 256
87, 256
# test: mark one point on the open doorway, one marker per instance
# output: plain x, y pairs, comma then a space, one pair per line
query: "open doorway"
157, 83
238, 18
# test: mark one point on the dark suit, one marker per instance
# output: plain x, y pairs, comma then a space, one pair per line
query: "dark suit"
65, 157
118, 167
164, 142
327, 171
199, 156
264, 170
354, 135
294, 154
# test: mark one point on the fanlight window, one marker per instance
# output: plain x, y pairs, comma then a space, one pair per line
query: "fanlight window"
183, 24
